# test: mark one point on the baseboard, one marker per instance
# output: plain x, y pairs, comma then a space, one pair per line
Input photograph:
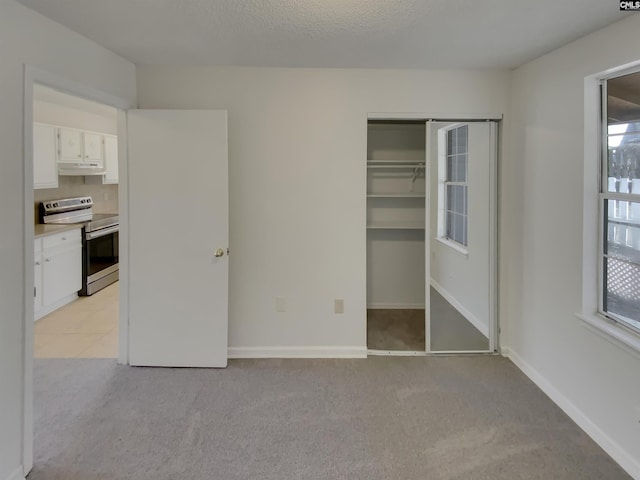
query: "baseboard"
18, 474
624, 459
297, 352
396, 306
475, 321
54, 306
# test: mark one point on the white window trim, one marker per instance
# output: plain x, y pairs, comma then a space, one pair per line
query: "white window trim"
458, 247
442, 182
591, 248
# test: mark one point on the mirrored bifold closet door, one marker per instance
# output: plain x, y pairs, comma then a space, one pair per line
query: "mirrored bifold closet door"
461, 250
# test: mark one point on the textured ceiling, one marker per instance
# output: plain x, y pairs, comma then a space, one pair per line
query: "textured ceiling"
332, 33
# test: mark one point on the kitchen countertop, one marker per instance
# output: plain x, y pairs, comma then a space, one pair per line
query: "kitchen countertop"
42, 230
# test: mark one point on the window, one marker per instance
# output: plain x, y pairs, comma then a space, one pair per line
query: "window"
455, 185
620, 202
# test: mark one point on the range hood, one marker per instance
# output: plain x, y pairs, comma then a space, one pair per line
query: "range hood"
80, 168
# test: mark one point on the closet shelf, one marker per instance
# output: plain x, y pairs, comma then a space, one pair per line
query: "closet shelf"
395, 164
395, 195
395, 225
402, 162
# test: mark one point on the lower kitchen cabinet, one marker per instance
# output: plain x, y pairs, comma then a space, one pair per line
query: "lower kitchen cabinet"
37, 276
57, 270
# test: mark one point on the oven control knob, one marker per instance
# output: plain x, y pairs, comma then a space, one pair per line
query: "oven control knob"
55, 204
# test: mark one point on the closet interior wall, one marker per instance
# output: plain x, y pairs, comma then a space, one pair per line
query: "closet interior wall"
395, 215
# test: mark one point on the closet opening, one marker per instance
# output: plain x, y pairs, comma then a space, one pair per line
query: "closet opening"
431, 236
396, 186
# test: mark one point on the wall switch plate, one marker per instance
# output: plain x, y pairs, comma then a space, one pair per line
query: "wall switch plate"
338, 305
281, 304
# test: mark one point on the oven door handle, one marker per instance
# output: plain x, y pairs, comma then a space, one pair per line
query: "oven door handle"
102, 233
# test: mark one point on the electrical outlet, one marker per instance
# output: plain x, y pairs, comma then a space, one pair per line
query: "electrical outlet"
338, 305
281, 304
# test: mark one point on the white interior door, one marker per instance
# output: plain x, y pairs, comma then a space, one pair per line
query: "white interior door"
178, 237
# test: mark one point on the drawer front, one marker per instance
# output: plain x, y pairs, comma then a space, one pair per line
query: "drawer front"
68, 238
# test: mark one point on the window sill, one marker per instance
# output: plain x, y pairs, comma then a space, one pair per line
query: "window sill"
619, 336
453, 245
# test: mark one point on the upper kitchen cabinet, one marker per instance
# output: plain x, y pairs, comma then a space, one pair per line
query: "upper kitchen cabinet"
92, 143
77, 146
70, 145
110, 172
45, 168
110, 159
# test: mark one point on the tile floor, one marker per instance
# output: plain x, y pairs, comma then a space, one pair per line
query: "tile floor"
85, 328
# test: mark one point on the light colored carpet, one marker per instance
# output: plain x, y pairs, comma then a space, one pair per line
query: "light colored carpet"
381, 418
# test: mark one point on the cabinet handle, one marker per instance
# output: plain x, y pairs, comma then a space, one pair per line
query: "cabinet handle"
79, 156
64, 238
37, 263
47, 259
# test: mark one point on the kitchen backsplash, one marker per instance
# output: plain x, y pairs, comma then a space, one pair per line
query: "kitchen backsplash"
105, 197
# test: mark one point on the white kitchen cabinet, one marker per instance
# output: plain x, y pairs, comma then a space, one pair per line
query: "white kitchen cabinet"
92, 147
58, 270
110, 175
45, 168
80, 147
110, 159
70, 145
37, 276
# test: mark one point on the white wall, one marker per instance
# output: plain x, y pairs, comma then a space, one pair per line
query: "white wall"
46, 112
26, 37
542, 204
464, 277
297, 150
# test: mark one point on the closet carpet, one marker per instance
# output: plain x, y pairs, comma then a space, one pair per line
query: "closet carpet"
395, 329
383, 418
404, 329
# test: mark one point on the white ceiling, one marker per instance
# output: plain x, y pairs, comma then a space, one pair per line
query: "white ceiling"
332, 33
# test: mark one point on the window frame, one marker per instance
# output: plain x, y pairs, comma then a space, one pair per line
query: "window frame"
590, 315
604, 196
443, 173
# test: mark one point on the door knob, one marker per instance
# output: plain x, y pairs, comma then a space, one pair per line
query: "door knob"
219, 253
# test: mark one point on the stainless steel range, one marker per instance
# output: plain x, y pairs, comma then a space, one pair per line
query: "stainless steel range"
99, 240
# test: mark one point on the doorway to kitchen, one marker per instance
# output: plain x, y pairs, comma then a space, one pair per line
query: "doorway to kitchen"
75, 191
64, 248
